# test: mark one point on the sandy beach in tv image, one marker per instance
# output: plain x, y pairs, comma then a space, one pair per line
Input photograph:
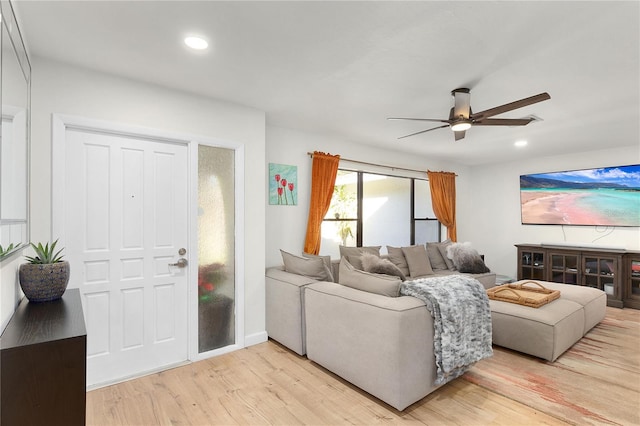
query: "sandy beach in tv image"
607, 196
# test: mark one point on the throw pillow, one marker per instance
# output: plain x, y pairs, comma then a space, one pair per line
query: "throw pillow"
442, 246
435, 257
356, 261
396, 256
325, 259
417, 260
377, 265
373, 283
466, 259
309, 267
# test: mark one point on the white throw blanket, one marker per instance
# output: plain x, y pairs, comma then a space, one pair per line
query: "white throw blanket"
462, 321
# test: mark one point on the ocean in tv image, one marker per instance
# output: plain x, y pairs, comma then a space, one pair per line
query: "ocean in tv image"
608, 196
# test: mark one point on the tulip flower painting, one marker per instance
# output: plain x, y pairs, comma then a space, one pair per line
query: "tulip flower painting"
283, 184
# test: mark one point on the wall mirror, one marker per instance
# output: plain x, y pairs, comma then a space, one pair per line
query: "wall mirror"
15, 86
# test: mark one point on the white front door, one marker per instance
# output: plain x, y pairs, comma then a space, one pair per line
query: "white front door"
125, 222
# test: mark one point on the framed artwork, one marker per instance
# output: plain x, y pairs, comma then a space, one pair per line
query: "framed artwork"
283, 184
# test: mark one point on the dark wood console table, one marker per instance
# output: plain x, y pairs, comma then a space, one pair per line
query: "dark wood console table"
43, 364
615, 271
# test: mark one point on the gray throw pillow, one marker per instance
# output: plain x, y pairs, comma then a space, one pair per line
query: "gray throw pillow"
396, 256
466, 258
373, 283
308, 267
417, 260
435, 257
377, 265
325, 259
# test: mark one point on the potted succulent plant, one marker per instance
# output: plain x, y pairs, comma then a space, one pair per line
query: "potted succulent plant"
45, 276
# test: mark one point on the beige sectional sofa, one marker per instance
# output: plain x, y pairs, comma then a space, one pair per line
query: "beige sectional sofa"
285, 306
382, 344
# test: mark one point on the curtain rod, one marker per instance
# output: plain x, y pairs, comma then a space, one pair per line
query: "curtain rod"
310, 154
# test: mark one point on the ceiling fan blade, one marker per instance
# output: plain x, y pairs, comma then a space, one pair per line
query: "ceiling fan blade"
437, 120
460, 134
510, 106
462, 103
503, 122
423, 131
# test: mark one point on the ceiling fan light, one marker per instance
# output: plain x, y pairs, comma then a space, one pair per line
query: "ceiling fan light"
461, 126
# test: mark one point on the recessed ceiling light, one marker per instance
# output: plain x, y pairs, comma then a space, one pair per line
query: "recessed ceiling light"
520, 143
197, 43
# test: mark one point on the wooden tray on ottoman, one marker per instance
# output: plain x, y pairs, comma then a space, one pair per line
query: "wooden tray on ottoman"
523, 294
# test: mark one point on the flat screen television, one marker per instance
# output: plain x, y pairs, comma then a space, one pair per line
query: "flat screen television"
608, 196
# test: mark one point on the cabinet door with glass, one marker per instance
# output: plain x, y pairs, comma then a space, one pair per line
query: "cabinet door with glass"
601, 271
564, 267
531, 264
632, 280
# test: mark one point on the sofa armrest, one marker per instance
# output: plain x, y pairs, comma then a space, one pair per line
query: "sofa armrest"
278, 273
285, 307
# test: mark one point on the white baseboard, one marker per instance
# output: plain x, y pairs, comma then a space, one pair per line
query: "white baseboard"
256, 338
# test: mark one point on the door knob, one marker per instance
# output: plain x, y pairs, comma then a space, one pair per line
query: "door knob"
181, 263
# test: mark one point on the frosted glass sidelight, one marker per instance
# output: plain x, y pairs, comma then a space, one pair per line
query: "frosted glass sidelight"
216, 248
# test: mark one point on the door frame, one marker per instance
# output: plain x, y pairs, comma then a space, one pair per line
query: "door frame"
61, 122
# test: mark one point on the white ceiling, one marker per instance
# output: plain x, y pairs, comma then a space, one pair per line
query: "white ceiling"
340, 68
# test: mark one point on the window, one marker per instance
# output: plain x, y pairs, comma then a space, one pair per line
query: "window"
374, 209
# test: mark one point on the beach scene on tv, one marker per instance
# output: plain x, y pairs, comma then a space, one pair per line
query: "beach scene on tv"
608, 196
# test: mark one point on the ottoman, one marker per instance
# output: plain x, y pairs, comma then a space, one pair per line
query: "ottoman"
548, 331
593, 301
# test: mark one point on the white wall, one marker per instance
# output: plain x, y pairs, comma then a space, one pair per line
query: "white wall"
287, 225
492, 221
64, 89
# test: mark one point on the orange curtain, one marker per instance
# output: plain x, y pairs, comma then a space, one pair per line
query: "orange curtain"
323, 180
443, 200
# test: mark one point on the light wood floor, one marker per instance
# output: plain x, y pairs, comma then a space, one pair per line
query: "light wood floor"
268, 384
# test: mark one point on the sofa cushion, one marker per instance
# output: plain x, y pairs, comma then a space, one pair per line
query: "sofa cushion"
377, 265
357, 251
417, 260
385, 285
325, 259
442, 247
309, 267
353, 254
396, 256
356, 261
435, 257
